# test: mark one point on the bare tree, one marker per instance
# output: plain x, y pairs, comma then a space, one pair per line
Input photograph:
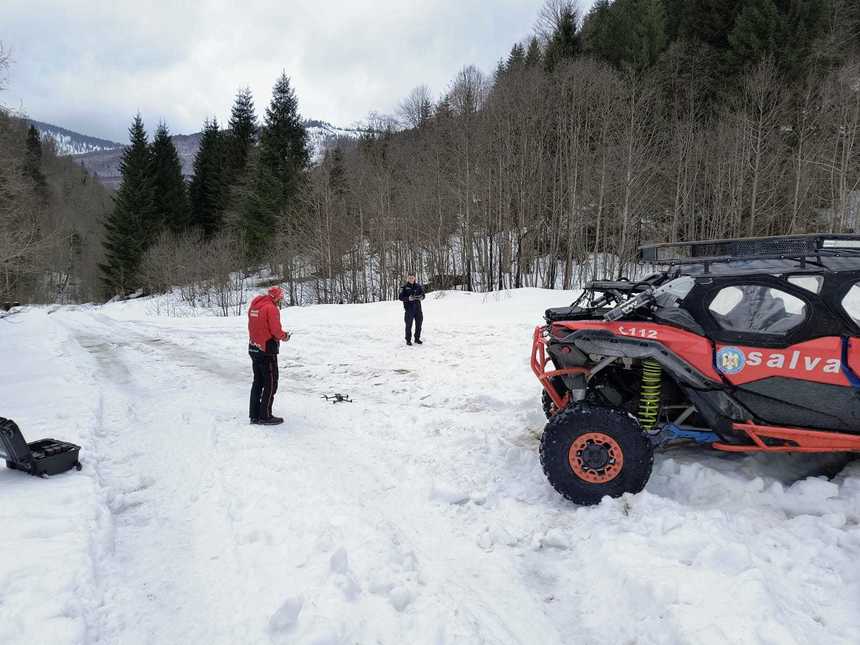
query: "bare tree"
552, 15
417, 108
468, 91
4, 65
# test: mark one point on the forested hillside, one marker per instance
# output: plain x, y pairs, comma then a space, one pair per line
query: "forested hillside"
644, 120
51, 218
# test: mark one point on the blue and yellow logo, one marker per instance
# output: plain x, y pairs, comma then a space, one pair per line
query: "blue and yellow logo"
730, 360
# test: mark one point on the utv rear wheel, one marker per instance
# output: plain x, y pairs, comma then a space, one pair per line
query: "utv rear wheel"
588, 452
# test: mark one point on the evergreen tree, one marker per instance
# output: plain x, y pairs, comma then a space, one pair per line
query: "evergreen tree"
208, 188
501, 71
171, 199
516, 58
710, 21
626, 32
336, 172
33, 159
243, 130
756, 34
651, 32
126, 229
564, 43
806, 25
676, 20
284, 155
534, 55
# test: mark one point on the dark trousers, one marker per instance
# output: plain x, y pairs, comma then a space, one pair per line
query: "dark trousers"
265, 384
417, 316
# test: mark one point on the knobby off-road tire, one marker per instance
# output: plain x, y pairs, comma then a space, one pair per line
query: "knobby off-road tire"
549, 408
588, 452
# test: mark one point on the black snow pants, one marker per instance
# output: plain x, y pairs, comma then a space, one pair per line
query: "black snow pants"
265, 384
413, 314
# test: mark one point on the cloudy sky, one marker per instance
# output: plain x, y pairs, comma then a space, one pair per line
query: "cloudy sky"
90, 65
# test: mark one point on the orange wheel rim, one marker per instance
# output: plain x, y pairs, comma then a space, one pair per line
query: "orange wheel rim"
596, 458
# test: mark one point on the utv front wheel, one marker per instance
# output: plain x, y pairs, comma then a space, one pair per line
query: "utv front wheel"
588, 452
550, 409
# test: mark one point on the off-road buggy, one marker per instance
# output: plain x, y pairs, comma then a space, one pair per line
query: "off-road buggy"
745, 345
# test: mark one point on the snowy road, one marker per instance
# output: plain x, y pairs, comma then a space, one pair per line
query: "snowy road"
416, 514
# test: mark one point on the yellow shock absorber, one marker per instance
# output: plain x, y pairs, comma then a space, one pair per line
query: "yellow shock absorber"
649, 396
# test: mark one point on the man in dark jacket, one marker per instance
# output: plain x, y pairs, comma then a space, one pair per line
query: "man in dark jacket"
265, 336
411, 295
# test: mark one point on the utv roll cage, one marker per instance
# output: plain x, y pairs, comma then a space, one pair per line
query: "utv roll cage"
812, 252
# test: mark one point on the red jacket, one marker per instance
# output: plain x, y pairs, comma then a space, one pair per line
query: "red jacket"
264, 323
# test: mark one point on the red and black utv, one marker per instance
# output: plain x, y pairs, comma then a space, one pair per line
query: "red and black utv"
745, 345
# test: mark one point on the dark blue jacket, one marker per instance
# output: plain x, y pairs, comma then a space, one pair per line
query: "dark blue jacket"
411, 295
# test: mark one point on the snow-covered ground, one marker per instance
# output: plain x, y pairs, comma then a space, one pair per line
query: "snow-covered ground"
417, 514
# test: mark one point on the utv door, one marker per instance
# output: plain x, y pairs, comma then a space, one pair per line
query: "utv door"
782, 346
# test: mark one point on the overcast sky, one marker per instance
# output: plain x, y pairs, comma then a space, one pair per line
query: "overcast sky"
90, 65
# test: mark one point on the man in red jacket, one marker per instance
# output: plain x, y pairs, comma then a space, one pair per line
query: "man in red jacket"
265, 333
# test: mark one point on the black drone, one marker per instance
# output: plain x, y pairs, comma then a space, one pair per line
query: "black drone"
337, 398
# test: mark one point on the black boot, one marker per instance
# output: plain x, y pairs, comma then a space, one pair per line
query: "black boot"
271, 421
408, 342
418, 341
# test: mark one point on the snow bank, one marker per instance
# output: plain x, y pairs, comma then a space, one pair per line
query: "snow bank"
417, 514
51, 528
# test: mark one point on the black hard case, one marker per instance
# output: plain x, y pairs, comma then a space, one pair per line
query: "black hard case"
43, 457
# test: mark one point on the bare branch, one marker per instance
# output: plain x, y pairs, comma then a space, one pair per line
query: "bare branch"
416, 109
552, 15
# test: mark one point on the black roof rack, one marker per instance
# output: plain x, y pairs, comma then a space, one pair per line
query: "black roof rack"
798, 248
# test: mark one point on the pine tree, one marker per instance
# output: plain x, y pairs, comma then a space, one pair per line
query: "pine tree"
710, 21
33, 160
517, 57
756, 34
171, 198
610, 31
500, 73
534, 55
595, 29
564, 43
283, 158
127, 228
443, 109
208, 188
242, 135
336, 172
651, 32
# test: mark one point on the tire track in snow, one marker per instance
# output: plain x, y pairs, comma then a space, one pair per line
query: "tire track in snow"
160, 486
366, 494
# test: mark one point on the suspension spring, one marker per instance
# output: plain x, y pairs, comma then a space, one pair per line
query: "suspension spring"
649, 395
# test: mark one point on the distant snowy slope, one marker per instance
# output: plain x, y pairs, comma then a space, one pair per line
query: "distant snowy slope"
69, 142
322, 135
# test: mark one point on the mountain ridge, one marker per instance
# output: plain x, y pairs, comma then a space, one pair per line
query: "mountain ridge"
102, 157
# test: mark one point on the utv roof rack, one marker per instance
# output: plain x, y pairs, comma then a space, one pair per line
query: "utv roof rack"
795, 248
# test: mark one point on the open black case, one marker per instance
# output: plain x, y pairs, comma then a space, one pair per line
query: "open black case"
43, 457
